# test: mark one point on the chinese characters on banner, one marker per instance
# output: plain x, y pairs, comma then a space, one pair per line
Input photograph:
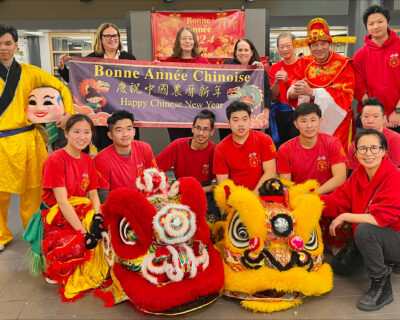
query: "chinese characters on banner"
163, 94
217, 32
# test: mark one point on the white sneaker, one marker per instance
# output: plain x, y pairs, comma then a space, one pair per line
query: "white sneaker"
50, 281
2, 247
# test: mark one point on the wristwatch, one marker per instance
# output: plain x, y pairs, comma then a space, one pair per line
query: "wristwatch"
397, 110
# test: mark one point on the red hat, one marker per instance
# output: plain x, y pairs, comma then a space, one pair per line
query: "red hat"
318, 30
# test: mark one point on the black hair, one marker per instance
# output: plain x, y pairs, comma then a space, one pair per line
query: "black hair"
285, 35
9, 29
119, 115
207, 115
373, 132
237, 106
254, 56
372, 101
76, 118
306, 108
376, 9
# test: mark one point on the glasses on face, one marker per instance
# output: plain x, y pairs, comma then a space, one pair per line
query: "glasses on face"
187, 39
289, 46
110, 36
199, 129
364, 150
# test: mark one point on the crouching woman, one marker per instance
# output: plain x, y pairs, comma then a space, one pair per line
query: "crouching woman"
69, 220
370, 200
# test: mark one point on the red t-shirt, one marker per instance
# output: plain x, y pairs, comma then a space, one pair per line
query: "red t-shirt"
243, 162
186, 161
315, 163
198, 59
60, 169
295, 73
393, 141
117, 171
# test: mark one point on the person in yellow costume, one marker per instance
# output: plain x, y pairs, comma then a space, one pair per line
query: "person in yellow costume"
22, 150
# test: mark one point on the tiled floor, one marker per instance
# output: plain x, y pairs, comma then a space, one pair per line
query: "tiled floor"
25, 297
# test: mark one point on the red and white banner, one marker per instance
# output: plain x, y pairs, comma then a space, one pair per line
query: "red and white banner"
217, 32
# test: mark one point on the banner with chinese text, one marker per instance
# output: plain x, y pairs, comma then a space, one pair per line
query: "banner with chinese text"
217, 32
163, 94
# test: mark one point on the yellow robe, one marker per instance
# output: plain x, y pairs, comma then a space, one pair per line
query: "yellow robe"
22, 155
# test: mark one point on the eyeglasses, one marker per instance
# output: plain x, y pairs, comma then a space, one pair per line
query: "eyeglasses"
289, 46
199, 129
364, 150
187, 39
110, 36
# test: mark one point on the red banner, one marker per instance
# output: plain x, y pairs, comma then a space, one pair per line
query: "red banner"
217, 32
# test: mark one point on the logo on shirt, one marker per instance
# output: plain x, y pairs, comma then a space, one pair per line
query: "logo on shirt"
206, 169
253, 159
322, 164
85, 181
394, 60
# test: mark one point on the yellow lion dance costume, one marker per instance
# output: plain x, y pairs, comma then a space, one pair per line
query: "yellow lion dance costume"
271, 245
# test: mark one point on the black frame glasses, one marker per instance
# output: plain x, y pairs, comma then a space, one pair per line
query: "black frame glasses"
363, 149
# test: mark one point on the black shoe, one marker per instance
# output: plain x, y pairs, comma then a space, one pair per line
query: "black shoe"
379, 295
395, 267
347, 259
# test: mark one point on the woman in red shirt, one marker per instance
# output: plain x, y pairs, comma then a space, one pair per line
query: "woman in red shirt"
186, 50
370, 200
70, 211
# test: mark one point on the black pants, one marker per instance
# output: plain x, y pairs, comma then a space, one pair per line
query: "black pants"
376, 245
285, 126
211, 205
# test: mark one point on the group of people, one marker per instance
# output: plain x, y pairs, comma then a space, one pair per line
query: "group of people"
308, 105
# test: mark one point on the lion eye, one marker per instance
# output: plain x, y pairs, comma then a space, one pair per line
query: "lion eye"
282, 225
238, 232
312, 243
126, 233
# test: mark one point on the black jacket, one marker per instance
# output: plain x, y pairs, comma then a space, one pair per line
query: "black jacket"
123, 55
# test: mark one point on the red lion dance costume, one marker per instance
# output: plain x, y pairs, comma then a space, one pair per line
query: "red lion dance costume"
160, 251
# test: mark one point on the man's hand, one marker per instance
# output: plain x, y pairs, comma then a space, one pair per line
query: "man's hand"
394, 120
302, 88
282, 75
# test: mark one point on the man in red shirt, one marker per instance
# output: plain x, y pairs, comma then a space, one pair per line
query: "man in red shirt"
312, 155
373, 117
193, 156
281, 76
246, 156
121, 163
329, 81
377, 65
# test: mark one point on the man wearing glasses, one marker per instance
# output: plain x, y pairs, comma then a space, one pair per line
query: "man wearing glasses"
281, 76
373, 117
193, 157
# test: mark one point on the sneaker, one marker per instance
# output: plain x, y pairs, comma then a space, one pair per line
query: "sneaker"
379, 295
2, 247
50, 281
347, 259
